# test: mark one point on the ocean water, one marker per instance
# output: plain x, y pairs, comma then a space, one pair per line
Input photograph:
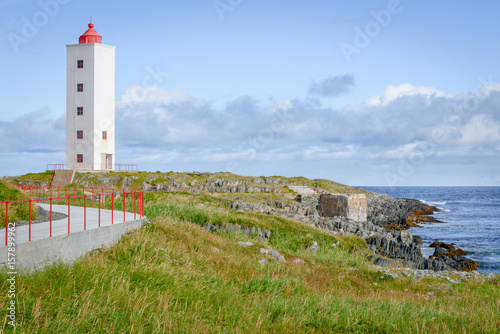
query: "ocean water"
470, 216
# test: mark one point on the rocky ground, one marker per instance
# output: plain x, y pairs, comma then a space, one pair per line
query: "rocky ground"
385, 230
393, 246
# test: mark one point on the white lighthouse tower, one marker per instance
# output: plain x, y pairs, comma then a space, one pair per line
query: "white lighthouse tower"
90, 103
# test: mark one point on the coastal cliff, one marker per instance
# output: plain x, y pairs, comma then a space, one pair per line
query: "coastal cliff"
385, 229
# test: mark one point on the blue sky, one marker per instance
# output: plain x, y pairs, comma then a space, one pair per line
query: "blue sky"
362, 92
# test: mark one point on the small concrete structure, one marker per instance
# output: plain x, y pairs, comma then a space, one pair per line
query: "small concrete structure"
351, 206
357, 207
64, 246
331, 205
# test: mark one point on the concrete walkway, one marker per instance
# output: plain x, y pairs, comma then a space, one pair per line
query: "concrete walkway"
85, 235
60, 227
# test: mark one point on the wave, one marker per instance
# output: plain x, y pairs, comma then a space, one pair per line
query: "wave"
443, 210
434, 203
439, 205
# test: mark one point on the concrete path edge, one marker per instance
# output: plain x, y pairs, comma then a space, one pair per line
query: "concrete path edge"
67, 248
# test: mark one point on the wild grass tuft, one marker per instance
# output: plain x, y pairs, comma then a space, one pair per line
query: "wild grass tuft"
17, 211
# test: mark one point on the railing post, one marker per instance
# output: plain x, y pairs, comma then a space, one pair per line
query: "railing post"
99, 210
84, 212
123, 204
69, 214
112, 207
6, 221
135, 205
30, 219
50, 217
74, 196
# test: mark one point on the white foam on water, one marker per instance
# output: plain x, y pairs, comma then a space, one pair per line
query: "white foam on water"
436, 204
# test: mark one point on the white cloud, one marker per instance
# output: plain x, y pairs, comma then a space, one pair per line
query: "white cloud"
393, 93
481, 129
403, 120
160, 127
36, 131
400, 152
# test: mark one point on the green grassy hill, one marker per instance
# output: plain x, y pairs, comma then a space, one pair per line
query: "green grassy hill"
174, 276
17, 211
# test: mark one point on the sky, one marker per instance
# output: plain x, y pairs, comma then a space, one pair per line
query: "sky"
386, 93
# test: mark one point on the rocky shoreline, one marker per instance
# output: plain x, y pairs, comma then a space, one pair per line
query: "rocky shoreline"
385, 231
385, 228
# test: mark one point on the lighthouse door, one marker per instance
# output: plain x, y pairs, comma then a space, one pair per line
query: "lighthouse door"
109, 161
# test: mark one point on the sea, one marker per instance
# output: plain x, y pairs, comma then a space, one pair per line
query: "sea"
470, 219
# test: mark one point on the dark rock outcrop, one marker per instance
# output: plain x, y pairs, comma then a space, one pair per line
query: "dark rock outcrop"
453, 257
384, 210
389, 246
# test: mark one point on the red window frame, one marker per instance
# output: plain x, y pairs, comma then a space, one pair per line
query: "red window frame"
79, 158
79, 87
104, 135
79, 63
79, 134
79, 111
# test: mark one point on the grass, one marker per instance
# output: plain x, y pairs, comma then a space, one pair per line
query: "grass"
173, 276
32, 178
17, 211
99, 179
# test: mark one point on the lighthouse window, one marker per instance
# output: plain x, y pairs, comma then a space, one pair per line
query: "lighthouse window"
79, 111
79, 63
79, 134
79, 87
79, 158
105, 135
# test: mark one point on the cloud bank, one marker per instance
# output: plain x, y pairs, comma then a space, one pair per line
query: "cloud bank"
404, 124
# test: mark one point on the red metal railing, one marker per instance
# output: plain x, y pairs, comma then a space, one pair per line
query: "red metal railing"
55, 167
92, 166
136, 204
104, 166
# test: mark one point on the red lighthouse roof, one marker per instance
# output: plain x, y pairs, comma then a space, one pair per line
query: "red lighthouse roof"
90, 36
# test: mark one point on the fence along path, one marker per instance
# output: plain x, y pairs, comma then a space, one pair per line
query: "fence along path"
91, 213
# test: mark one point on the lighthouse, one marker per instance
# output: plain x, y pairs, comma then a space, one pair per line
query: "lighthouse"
90, 103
